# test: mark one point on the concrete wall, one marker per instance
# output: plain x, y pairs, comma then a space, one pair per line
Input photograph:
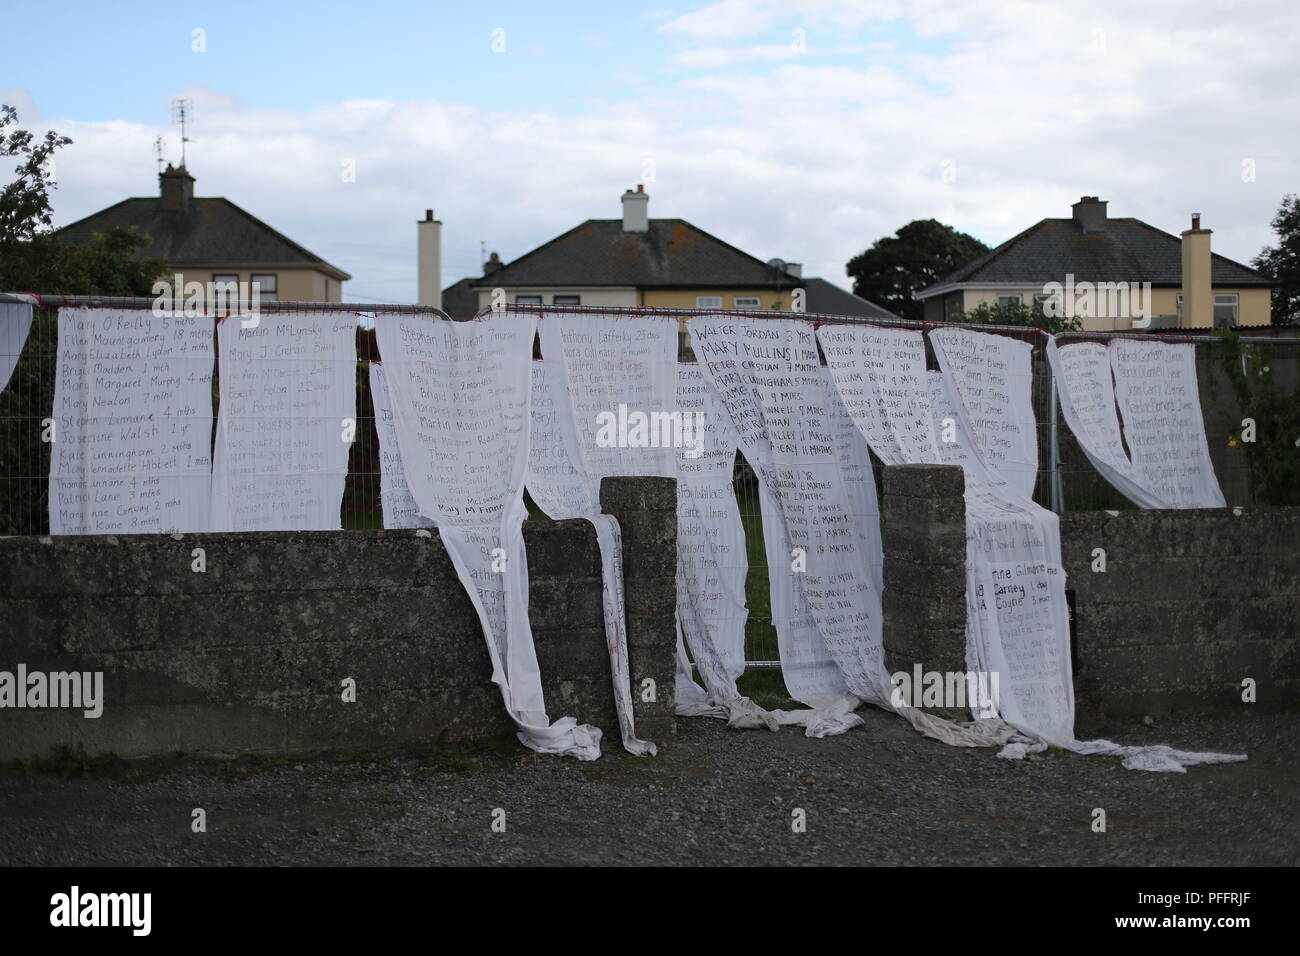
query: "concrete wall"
924, 602
249, 656
646, 509
1190, 603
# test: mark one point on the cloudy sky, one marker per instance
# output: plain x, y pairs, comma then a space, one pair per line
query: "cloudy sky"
803, 129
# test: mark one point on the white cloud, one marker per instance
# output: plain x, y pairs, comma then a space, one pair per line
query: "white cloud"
714, 57
728, 18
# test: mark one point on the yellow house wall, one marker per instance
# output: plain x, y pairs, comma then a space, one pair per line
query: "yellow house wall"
293, 285
1254, 305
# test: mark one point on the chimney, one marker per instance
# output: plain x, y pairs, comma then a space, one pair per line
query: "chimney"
795, 269
636, 210
493, 264
1090, 214
428, 233
176, 187
1198, 297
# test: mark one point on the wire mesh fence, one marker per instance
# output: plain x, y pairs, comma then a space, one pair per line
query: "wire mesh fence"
26, 409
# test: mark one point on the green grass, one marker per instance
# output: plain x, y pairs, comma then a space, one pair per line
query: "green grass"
71, 763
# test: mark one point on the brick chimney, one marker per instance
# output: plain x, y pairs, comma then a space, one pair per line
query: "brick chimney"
636, 210
1198, 296
429, 260
1090, 214
176, 187
493, 264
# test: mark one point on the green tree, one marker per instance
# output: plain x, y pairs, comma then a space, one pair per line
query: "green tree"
33, 259
917, 255
1282, 262
1017, 313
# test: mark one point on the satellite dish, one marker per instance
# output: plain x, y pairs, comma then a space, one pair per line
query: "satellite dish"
777, 265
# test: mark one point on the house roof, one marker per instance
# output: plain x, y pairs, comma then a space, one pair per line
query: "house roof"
672, 253
1127, 250
459, 300
209, 231
827, 298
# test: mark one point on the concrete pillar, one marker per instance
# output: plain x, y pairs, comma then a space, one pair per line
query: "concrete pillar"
646, 509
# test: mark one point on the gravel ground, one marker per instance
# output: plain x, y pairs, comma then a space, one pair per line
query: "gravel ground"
883, 795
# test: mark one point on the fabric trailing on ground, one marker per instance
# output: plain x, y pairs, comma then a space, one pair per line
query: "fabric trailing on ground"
603, 381
825, 594
711, 563
561, 490
460, 398
1017, 617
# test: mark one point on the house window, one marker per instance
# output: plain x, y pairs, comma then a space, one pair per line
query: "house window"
1225, 310
267, 285
567, 300
953, 305
1042, 300
528, 299
708, 302
1011, 298
746, 302
225, 291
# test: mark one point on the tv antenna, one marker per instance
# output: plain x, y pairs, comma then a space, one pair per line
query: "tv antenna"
183, 109
158, 151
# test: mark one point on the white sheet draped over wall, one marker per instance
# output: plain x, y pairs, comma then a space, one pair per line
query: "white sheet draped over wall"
612, 368
132, 423
1154, 385
460, 399
1085, 388
992, 375
1017, 619
1017, 622
826, 606
399, 507
15, 324
286, 421
711, 563
556, 479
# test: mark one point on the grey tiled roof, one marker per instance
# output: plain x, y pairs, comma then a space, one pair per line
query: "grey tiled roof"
459, 300
209, 231
825, 297
670, 254
1129, 250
